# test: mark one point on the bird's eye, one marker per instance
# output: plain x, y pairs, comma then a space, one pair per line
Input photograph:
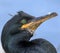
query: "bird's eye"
24, 21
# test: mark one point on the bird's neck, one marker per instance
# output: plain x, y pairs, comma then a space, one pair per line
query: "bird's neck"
16, 41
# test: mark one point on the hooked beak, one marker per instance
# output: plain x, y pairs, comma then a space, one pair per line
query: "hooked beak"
32, 26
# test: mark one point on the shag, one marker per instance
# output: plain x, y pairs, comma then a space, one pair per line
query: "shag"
18, 30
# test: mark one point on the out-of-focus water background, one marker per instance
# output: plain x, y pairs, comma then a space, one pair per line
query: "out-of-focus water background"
49, 30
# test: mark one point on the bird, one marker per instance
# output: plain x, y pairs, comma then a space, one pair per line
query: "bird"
17, 32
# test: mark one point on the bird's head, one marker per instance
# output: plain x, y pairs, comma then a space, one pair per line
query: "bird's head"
32, 24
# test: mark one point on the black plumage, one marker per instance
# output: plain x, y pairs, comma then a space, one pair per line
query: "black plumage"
17, 40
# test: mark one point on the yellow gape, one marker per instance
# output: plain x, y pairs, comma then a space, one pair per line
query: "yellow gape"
35, 23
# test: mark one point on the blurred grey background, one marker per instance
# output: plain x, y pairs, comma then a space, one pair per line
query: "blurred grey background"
49, 30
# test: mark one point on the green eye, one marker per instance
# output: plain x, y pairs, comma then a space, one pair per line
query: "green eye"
23, 21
